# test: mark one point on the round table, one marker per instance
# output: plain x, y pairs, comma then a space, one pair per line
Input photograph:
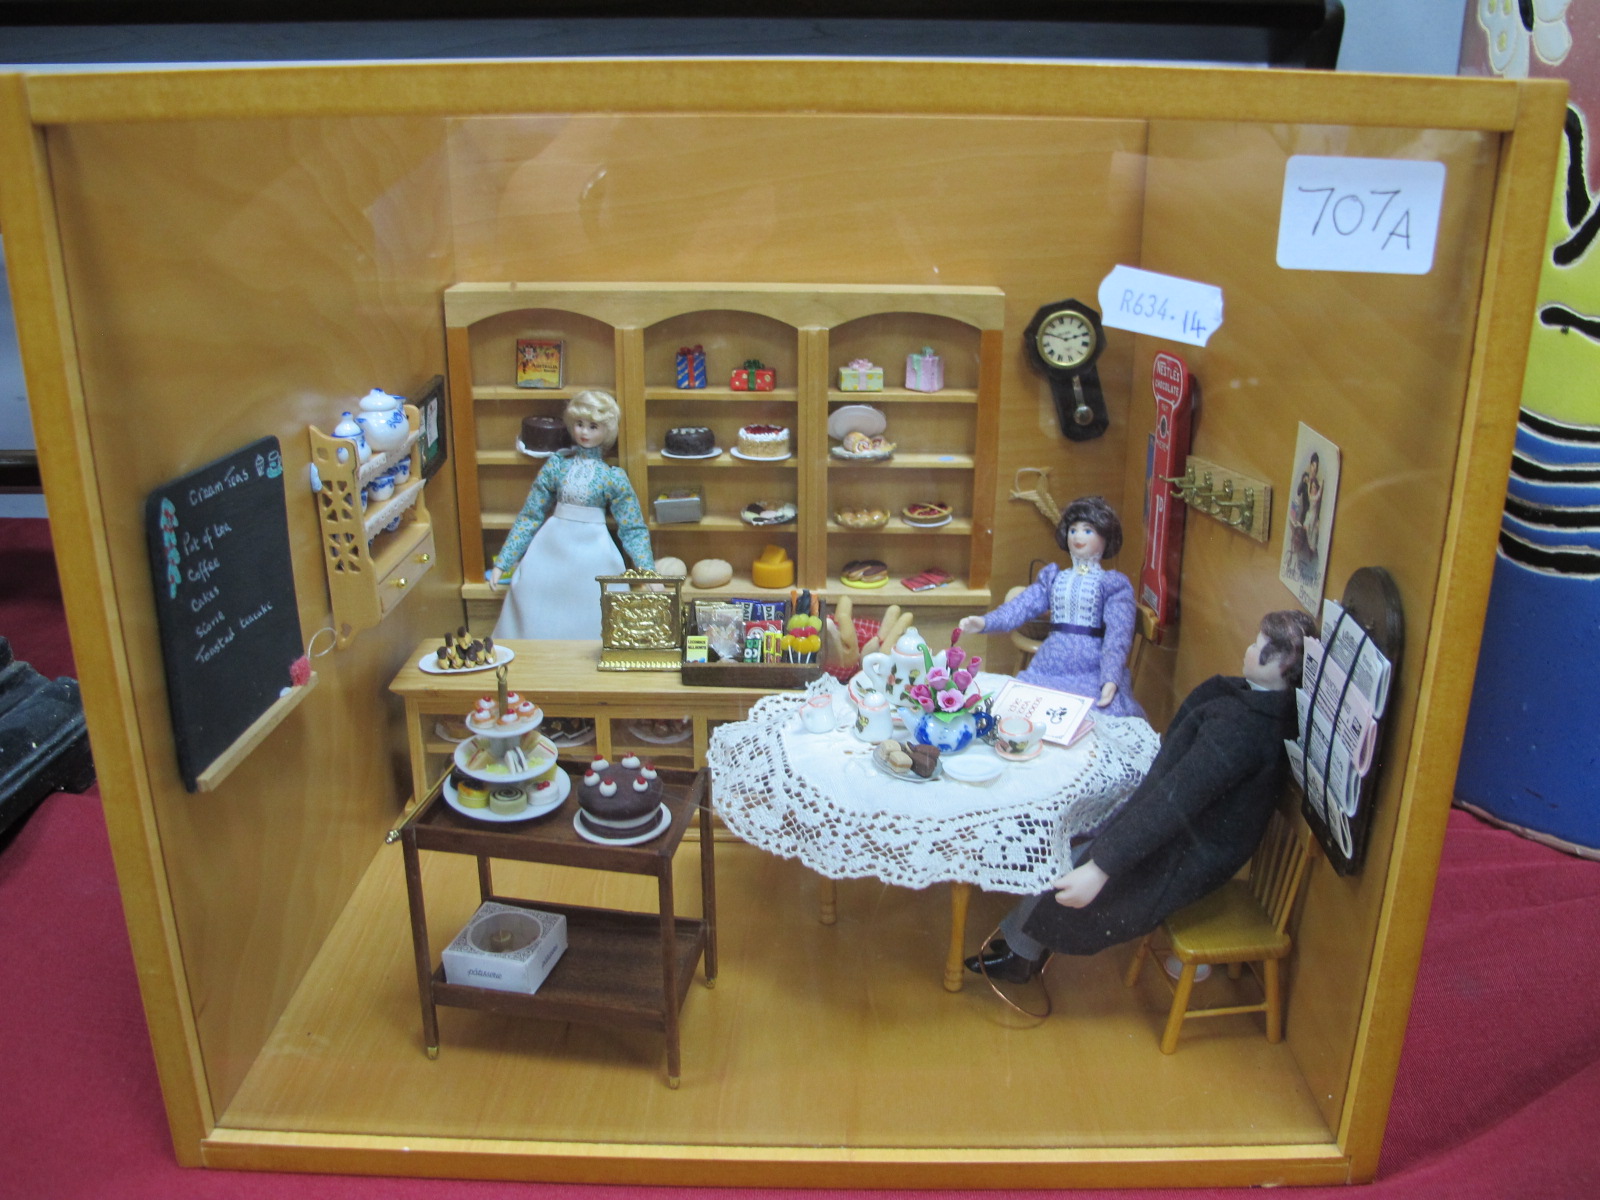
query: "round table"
818, 798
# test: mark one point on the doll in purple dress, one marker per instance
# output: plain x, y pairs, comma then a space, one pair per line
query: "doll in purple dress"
1091, 612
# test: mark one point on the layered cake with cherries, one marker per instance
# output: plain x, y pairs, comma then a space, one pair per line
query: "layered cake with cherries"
619, 801
690, 441
764, 441
544, 435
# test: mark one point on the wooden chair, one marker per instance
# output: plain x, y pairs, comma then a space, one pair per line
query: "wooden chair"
1022, 638
1244, 921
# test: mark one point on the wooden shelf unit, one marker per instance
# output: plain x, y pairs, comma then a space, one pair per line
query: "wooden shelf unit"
630, 333
370, 570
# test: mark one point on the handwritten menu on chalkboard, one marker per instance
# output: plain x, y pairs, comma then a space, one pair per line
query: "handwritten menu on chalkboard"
224, 589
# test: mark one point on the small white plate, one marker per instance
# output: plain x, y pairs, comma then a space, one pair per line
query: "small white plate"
760, 458
856, 418
880, 760
429, 663
972, 768
683, 735
561, 786
521, 449
862, 455
785, 514
708, 454
639, 839
926, 524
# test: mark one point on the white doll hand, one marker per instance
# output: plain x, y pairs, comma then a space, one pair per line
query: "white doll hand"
1107, 691
971, 624
494, 579
1079, 886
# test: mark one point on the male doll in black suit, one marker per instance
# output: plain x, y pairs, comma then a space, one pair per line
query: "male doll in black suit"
1196, 818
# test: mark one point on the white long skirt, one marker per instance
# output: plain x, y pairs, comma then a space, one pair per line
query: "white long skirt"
553, 590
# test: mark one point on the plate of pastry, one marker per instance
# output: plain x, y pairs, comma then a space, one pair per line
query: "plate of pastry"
928, 514
767, 512
862, 518
565, 732
662, 732
857, 447
865, 573
428, 664
910, 761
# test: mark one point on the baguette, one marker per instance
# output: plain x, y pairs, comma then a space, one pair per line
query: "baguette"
850, 648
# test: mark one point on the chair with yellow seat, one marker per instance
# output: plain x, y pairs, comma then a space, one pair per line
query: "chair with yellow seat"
1243, 922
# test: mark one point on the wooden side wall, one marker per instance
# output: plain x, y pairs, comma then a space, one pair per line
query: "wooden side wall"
231, 280
1379, 365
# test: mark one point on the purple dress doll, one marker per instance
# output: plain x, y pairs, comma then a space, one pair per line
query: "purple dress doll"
1091, 612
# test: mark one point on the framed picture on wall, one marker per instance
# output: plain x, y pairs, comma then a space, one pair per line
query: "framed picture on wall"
430, 409
538, 363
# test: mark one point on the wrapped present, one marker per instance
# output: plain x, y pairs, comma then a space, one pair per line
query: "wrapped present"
752, 377
691, 367
924, 371
860, 376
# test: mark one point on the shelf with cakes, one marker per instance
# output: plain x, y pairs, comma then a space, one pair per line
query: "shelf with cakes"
742, 447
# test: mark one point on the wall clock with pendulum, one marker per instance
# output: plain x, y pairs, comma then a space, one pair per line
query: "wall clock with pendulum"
1063, 341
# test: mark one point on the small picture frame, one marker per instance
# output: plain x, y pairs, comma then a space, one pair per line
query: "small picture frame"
433, 422
539, 363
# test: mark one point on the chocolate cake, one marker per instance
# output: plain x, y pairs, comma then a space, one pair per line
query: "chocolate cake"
690, 439
618, 801
544, 435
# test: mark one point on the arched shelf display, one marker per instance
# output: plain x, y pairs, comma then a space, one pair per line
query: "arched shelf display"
804, 332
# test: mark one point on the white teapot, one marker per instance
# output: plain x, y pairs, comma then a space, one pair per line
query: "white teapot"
908, 664
383, 420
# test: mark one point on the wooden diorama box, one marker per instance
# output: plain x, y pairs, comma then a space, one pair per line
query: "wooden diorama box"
202, 258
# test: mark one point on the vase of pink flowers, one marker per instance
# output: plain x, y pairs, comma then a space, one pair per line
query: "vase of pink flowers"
948, 696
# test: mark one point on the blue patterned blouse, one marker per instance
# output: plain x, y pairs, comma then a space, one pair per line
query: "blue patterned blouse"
580, 475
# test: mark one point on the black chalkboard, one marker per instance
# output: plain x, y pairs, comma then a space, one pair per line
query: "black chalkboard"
224, 589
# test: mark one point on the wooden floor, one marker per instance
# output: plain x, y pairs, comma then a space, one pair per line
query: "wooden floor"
814, 1036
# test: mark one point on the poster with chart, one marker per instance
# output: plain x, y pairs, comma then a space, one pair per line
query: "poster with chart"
224, 595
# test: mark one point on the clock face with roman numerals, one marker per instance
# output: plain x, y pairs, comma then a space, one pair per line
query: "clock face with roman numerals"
1065, 339
1062, 342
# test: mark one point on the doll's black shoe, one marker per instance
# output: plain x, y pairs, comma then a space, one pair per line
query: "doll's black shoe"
1001, 962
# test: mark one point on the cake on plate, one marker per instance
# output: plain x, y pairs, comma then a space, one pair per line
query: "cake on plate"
544, 435
764, 441
688, 440
619, 801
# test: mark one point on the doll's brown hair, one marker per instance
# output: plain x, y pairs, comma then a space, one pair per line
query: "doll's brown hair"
1286, 632
1097, 513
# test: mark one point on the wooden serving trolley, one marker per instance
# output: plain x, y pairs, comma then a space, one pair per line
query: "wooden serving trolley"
619, 968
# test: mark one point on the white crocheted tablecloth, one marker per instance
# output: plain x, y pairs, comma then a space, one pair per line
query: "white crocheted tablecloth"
818, 798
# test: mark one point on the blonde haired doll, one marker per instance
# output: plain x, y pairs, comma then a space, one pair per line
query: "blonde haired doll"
559, 541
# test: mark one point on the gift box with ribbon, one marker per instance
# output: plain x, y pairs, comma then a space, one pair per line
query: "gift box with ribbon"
924, 371
860, 376
752, 377
691, 367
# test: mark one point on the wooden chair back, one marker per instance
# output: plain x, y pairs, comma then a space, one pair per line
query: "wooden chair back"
1278, 867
